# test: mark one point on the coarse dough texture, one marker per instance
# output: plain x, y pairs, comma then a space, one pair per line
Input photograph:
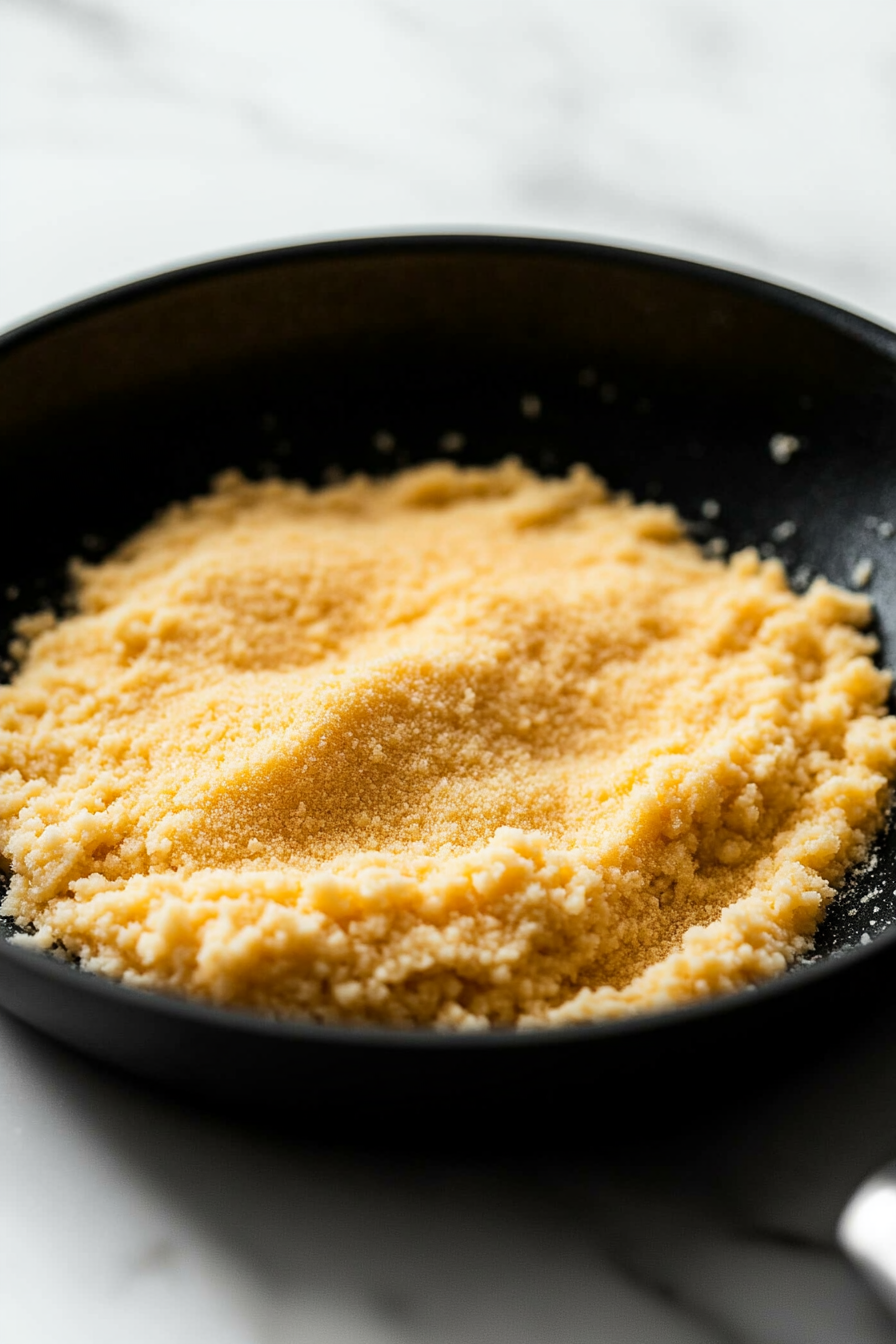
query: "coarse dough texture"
461, 747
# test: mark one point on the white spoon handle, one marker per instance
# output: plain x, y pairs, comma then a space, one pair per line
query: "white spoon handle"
866, 1231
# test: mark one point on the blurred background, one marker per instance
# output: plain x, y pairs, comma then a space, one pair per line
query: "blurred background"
138, 133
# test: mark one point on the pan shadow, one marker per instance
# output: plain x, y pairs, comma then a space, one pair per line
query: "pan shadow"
182, 1219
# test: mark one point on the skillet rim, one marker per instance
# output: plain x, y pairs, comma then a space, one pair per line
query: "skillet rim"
862, 327
875, 337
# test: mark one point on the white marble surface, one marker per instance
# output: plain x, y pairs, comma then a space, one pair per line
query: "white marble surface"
138, 133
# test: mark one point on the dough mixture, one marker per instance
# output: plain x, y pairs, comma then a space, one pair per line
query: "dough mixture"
463, 747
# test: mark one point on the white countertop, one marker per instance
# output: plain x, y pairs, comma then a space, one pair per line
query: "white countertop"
135, 134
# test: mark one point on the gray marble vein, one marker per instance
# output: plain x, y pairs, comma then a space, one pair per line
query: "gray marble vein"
104, 24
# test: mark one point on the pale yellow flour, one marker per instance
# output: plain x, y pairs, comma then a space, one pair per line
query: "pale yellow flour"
462, 747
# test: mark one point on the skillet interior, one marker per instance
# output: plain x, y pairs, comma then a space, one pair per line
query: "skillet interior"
668, 377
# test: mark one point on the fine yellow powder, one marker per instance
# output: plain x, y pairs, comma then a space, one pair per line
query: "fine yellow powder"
464, 747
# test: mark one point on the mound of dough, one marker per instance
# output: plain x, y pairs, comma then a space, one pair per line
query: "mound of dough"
462, 747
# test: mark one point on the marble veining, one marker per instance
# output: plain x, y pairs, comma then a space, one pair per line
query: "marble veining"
135, 134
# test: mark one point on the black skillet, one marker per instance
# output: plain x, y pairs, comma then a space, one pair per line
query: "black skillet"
671, 378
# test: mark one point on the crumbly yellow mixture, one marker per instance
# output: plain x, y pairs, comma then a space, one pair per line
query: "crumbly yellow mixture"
463, 747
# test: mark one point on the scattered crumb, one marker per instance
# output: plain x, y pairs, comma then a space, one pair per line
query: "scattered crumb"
882, 526
710, 508
37, 623
383, 441
530, 406
782, 447
716, 548
453, 441
784, 531
861, 573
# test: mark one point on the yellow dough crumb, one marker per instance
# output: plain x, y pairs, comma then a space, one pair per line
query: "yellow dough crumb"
461, 747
